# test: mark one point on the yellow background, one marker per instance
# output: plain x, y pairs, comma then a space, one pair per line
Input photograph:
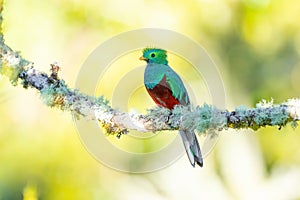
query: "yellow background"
255, 43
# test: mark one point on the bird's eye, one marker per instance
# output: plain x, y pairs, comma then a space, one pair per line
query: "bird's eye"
152, 55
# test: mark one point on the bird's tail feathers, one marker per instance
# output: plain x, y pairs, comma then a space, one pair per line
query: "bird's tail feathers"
192, 147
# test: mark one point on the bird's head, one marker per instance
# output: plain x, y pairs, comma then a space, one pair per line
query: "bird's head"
155, 55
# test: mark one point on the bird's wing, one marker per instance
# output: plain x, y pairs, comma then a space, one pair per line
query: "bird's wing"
177, 87
164, 75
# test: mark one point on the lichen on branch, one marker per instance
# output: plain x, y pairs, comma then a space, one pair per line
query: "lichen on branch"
55, 93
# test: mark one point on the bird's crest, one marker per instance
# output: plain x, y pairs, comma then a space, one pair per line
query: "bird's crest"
153, 49
155, 55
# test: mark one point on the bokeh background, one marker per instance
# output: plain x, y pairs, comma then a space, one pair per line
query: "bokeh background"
256, 45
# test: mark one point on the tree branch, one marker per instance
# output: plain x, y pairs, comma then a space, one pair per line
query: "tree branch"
55, 93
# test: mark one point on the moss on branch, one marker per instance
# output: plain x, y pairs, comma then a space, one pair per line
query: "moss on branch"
56, 93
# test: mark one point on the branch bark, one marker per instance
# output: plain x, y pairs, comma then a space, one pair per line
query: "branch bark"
56, 93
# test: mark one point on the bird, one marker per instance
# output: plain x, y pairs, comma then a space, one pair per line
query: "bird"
166, 89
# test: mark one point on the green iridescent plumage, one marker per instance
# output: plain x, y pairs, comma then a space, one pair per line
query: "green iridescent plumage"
158, 56
160, 68
167, 89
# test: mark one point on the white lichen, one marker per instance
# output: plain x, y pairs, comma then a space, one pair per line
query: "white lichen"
293, 107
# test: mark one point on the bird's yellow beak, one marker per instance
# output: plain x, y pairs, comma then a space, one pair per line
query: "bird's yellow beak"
143, 58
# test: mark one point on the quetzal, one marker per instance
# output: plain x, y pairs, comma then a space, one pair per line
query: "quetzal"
167, 90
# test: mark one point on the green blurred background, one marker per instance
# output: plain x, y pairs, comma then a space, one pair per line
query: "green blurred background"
256, 45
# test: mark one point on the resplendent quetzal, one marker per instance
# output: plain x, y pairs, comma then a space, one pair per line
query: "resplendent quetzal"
167, 90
